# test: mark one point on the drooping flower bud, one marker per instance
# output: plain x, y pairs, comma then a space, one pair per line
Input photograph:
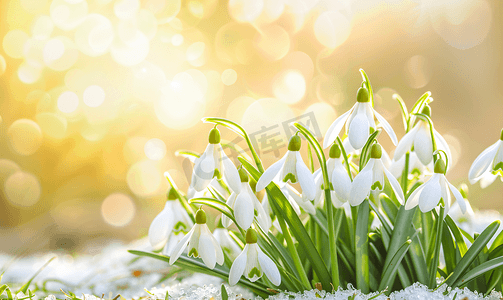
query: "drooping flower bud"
363, 95
200, 217
294, 144
439, 166
376, 151
214, 137
251, 236
335, 151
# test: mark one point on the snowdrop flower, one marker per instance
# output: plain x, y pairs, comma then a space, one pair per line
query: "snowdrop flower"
340, 182
455, 210
290, 168
172, 218
359, 119
214, 163
244, 203
490, 161
226, 242
253, 263
432, 191
419, 137
371, 177
201, 244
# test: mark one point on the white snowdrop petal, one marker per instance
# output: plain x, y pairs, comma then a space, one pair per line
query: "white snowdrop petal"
431, 194
378, 173
341, 182
442, 144
305, 178
160, 228
487, 179
482, 162
360, 187
386, 127
178, 250
423, 145
206, 166
206, 249
413, 199
226, 221
231, 174
405, 143
358, 132
445, 194
216, 245
459, 198
395, 186
334, 129
498, 158
269, 268
243, 211
238, 266
369, 112
270, 173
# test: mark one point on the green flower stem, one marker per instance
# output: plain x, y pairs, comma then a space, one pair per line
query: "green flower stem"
362, 248
439, 222
405, 174
328, 200
293, 252
239, 130
181, 198
346, 160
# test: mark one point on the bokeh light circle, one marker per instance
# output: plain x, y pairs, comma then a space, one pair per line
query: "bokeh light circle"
7, 168
155, 149
132, 53
94, 35
22, 189
3, 65
118, 209
144, 178
273, 42
324, 115
126, 9
60, 53
52, 125
332, 29
13, 43
245, 10
177, 40
417, 71
237, 108
42, 27
28, 73
289, 86
25, 136
229, 77
67, 16
268, 113
68, 102
93, 96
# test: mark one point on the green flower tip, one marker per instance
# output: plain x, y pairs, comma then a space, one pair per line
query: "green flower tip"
200, 217
251, 236
376, 151
335, 151
294, 144
426, 110
440, 166
363, 95
463, 189
214, 137
501, 136
243, 175
172, 195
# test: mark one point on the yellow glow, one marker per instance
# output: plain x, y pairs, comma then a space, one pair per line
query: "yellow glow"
60, 53
229, 77
126, 9
324, 114
134, 149
148, 80
196, 8
3, 65
25, 136
94, 96
455, 147
147, 23
245, 10
52, 125
66, 15
22, 189
28, 73
289, 86
332, 29
273, 42
118, 209
300, 61
42, 28
195, 54
267, 112
68, 102
237, 108
273, 9
94, 35
34, 51
34, 6
13, 43
155, 149
7, 168
144, 178
72, 79
165, 10
417, 71
132, 53
177, 40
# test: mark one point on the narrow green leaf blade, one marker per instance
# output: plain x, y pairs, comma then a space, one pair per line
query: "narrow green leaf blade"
392, 267
479, 270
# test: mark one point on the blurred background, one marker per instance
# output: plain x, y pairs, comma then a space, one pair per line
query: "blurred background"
97, 95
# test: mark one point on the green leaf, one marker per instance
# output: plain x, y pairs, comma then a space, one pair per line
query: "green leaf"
216, 204
403, 109
187, 154
197, 266
223, 292
472, 253
449, 250
418, 106
24, 288
391, 268
365, 156
460, 242
478, 271
283, 207
9, 294
362, 248
497, 242
180, 197
3, 288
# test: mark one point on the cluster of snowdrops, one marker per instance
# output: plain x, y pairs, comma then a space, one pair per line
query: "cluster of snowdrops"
340, 227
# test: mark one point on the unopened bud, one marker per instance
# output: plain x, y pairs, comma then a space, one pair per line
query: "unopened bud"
335, 151
426, 110
362, 95
439, 166
294, 144
200, 217
251, 236
214, 137
376, 151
